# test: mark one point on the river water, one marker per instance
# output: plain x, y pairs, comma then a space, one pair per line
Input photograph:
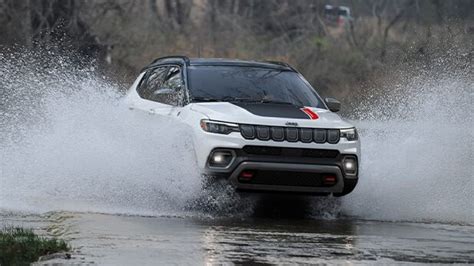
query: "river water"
106, 239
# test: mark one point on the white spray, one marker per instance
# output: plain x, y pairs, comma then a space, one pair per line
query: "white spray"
417, 156
67, 143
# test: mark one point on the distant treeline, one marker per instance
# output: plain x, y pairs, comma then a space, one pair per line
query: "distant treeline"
336, 54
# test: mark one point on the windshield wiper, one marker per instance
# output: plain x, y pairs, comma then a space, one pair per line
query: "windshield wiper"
204, 99
264, 101
224, 99
236, 99
277, 102
241, 100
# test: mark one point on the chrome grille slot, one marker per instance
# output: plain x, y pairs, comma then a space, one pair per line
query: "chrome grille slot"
319, 135
291, 134
333, 136
263, 133
306, 135
247, 131
278, 133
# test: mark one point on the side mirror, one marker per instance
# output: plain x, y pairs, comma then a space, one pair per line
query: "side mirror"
333, 104
165, 95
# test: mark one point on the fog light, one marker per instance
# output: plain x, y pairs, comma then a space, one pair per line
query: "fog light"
218, 158
221, 158
350, 165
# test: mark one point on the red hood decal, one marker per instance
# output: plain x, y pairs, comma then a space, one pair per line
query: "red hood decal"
312, 115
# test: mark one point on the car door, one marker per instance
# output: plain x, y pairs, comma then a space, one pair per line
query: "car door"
161, 91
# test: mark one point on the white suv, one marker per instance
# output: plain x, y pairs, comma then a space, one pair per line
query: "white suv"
260, 125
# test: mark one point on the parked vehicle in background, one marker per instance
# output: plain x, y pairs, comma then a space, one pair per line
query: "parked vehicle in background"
339, 16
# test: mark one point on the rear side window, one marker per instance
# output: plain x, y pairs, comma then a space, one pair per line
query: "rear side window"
164, 85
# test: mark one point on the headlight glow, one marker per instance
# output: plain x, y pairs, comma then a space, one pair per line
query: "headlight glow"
218, 127
218, 158
349, 133
221, 158
349, 164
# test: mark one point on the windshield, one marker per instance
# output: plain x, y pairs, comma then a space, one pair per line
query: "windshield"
250, 84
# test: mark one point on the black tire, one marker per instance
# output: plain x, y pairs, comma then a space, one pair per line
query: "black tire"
349, 185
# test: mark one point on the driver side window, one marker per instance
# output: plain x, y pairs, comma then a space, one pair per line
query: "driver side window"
164, 85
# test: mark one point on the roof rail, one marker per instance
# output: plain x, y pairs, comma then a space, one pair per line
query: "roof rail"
280, 64
277, 63
182, 57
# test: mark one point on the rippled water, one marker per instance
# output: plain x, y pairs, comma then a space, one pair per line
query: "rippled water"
124, 240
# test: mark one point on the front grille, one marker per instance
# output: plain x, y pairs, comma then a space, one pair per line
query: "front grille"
290, 152
286, 178
290, 134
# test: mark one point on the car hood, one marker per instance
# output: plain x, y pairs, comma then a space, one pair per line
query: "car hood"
268, 114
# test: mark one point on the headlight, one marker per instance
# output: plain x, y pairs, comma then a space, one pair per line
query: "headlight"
218, 127
349, 134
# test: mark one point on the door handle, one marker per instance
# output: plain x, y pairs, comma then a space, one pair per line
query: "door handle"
151, 111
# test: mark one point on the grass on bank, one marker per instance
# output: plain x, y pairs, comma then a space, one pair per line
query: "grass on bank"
19, 246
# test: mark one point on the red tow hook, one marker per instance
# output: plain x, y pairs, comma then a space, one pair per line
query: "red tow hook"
246, 175
329, 180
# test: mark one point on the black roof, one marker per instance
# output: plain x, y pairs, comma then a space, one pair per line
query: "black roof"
219, 62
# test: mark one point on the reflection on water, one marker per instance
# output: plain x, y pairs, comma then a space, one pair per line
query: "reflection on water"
263, 241
288, 242
137, 240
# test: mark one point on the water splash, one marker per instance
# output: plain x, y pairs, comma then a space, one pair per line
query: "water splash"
417, 156
67, 143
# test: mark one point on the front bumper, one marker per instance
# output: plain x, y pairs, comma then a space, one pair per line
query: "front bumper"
295, 157
283, 169
301, 169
